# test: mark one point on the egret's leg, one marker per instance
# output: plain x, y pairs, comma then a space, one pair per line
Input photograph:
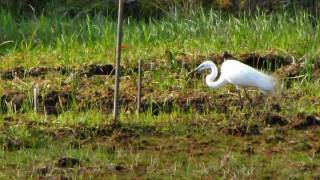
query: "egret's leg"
250, 100
241, 104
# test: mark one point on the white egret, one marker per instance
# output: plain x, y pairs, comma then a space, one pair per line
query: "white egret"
238, 74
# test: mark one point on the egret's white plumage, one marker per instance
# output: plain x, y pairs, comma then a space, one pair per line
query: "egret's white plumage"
238, 74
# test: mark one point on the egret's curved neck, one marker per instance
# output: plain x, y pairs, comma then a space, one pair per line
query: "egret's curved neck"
212, 76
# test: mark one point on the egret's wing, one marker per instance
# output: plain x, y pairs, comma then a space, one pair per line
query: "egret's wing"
240, 74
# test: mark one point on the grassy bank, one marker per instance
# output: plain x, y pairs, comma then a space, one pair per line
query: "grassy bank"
60, 40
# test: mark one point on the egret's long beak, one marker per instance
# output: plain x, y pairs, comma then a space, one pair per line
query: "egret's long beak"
193, 71
197, 69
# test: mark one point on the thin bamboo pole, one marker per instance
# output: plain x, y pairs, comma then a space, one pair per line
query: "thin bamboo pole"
139, 87
117, 65
35, 97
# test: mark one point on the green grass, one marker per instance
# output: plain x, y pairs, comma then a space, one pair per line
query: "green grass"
182, 151
185, 144
61, 40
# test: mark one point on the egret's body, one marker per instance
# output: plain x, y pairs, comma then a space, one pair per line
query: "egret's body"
238, 74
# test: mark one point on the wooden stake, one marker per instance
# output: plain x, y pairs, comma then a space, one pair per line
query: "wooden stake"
117, 65
35, 97
139, 87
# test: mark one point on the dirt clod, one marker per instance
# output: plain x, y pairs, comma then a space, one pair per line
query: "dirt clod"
55, 102
11, 73
305, 121
119, 167
275, 120
38, 71
67, 162
276, 107
13, 144
13, 98
21, 72
42, 171
123, 137
94, 69
289, 72
8, 119
317, 151
249, 149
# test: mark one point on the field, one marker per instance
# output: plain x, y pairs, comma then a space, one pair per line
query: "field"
185, 129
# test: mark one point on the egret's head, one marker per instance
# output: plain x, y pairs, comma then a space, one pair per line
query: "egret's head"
205, 65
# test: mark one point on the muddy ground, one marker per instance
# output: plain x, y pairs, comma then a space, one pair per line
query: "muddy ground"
59, 97
262, 128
